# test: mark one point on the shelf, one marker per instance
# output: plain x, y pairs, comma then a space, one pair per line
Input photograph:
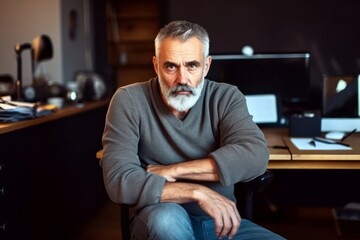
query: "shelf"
132, 26
132, 30
132, 53
129, 75
133, 9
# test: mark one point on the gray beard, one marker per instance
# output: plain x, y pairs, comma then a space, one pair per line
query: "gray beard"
181, 103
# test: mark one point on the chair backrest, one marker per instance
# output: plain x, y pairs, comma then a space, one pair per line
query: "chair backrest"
124, 212
125, 222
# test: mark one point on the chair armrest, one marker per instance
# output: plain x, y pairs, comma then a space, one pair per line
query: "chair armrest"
259, 183
244, 192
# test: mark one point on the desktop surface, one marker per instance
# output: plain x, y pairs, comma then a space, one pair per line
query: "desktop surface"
284, 154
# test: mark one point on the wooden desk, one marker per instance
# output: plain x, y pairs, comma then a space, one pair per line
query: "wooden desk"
310, 178
59, 114
306, 159
274, 140
292, 158
48, 172
273, 137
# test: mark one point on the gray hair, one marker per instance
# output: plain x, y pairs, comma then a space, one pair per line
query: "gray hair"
183, 30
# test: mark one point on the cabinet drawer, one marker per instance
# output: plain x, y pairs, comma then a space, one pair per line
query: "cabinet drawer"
3, 219
3, 229
2, 191
2, 173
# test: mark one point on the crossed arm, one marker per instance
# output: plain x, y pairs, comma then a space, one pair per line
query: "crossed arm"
221, 209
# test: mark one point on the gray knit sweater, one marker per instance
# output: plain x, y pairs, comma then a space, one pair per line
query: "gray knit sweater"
141, 130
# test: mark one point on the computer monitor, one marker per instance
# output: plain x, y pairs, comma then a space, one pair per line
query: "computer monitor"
341, 96
341, 104
286, 75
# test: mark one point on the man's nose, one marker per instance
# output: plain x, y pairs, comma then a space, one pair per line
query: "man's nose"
182, 76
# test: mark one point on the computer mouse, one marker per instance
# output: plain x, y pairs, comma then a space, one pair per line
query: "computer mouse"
335, 135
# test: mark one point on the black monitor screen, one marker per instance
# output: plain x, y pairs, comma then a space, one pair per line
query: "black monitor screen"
285, 75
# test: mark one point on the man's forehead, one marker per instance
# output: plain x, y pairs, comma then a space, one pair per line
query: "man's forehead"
189, 50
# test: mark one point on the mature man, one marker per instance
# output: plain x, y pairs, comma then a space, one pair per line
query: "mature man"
175, 145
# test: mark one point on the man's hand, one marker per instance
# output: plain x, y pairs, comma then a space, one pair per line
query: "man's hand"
222, 210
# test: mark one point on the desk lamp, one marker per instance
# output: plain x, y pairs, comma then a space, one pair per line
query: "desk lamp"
41, 49
19, 48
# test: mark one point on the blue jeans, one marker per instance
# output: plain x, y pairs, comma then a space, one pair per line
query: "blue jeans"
171, 221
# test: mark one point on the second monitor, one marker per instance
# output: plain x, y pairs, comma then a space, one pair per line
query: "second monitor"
286, 75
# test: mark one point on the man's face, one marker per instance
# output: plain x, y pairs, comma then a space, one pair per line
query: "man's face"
181, 68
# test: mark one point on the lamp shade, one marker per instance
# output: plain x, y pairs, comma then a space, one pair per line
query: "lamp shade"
42, 48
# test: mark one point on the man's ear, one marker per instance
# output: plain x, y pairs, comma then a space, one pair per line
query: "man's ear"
207, 65
155, 64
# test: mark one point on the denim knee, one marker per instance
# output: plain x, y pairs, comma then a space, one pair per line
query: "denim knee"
162, 221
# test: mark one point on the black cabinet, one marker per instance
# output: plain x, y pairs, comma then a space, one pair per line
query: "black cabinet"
50, 179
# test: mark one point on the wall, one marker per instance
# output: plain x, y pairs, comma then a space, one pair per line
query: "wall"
77, 47
329, 30
21, 21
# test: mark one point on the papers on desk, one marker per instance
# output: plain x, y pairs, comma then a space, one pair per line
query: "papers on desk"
12, 111
304, 144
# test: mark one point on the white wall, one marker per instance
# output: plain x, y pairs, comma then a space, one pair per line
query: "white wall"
21, 21
77, 52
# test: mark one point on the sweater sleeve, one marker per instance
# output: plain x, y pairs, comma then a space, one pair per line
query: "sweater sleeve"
243, 153
126, 181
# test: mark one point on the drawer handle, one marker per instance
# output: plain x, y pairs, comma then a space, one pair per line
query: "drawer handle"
3, 227
2, 191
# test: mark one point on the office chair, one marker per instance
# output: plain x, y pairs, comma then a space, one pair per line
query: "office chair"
247, 189
250, 188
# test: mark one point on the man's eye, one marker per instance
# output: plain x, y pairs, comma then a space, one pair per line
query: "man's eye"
170, 67
192, 66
